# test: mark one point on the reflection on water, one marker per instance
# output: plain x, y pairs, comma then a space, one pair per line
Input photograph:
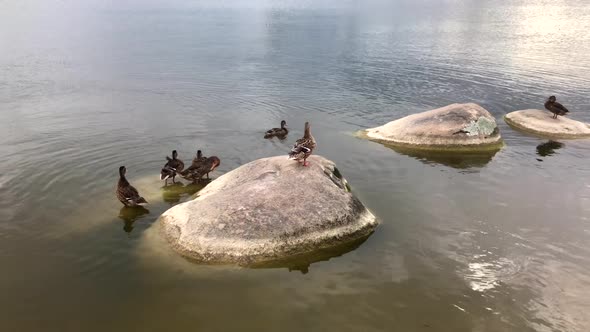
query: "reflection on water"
460, 160
548, 148
303, 262
130, 214
172, 193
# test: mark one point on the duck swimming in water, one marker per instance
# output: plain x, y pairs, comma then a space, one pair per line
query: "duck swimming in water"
278, 132
304, 146
203, 168
554, 107
173, 166
126, 193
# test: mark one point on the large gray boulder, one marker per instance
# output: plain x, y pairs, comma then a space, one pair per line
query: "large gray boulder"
541, 123
267, 210
453, 127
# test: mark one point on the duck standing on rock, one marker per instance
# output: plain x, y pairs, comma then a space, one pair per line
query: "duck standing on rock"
278, 132
204, 167
556, 108
126, 193
199, 157
173, 166
304, 146
197, 161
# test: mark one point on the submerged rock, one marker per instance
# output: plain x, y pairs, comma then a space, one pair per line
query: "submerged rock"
541, 123
268, 210
453, 127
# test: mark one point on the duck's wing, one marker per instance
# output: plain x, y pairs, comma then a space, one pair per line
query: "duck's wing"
272, 132
192, 168
130, 194
179, 165
300, 148
167, 172
560, 107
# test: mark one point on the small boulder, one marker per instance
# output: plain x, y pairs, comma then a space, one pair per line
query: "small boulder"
268, 210
453, 127
541, 123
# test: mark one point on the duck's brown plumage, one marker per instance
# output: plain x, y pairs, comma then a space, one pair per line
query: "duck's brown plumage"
203, 168
199, 158
277, 132
554, 107
126, 193
304, 146
172, 167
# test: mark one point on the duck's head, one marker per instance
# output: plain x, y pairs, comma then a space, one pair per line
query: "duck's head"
174, 154
122, 170
199, 154
215, 162
283, 124
552, 99
307, 129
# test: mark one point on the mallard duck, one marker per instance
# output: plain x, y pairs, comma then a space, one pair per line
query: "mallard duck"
126, 193
173, 166
304, 146
278, 132
197, 161
199, 158
203, 168
556, 108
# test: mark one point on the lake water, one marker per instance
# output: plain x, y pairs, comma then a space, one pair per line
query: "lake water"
492, 243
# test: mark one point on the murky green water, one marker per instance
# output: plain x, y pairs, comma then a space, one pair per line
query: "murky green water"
474, 243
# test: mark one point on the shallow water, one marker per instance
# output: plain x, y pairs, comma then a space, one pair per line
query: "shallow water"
492, 243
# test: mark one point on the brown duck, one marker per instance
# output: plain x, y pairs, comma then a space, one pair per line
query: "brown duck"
172, 167
203, 168
304, 146
126, 193
277, 132
554, 107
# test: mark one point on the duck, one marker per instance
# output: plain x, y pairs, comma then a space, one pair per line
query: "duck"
126, 193
304, 146
203, 168
278, 132
554, 107
197, 161
173, 166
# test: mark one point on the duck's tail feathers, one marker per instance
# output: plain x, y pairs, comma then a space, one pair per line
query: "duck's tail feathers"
164, 176
141, 201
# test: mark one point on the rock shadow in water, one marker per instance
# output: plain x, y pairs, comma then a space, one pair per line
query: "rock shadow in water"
454, 159
130, 214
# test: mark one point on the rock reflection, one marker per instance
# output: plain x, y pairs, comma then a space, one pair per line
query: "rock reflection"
455, 159
302, 263
548, 148
130, 214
